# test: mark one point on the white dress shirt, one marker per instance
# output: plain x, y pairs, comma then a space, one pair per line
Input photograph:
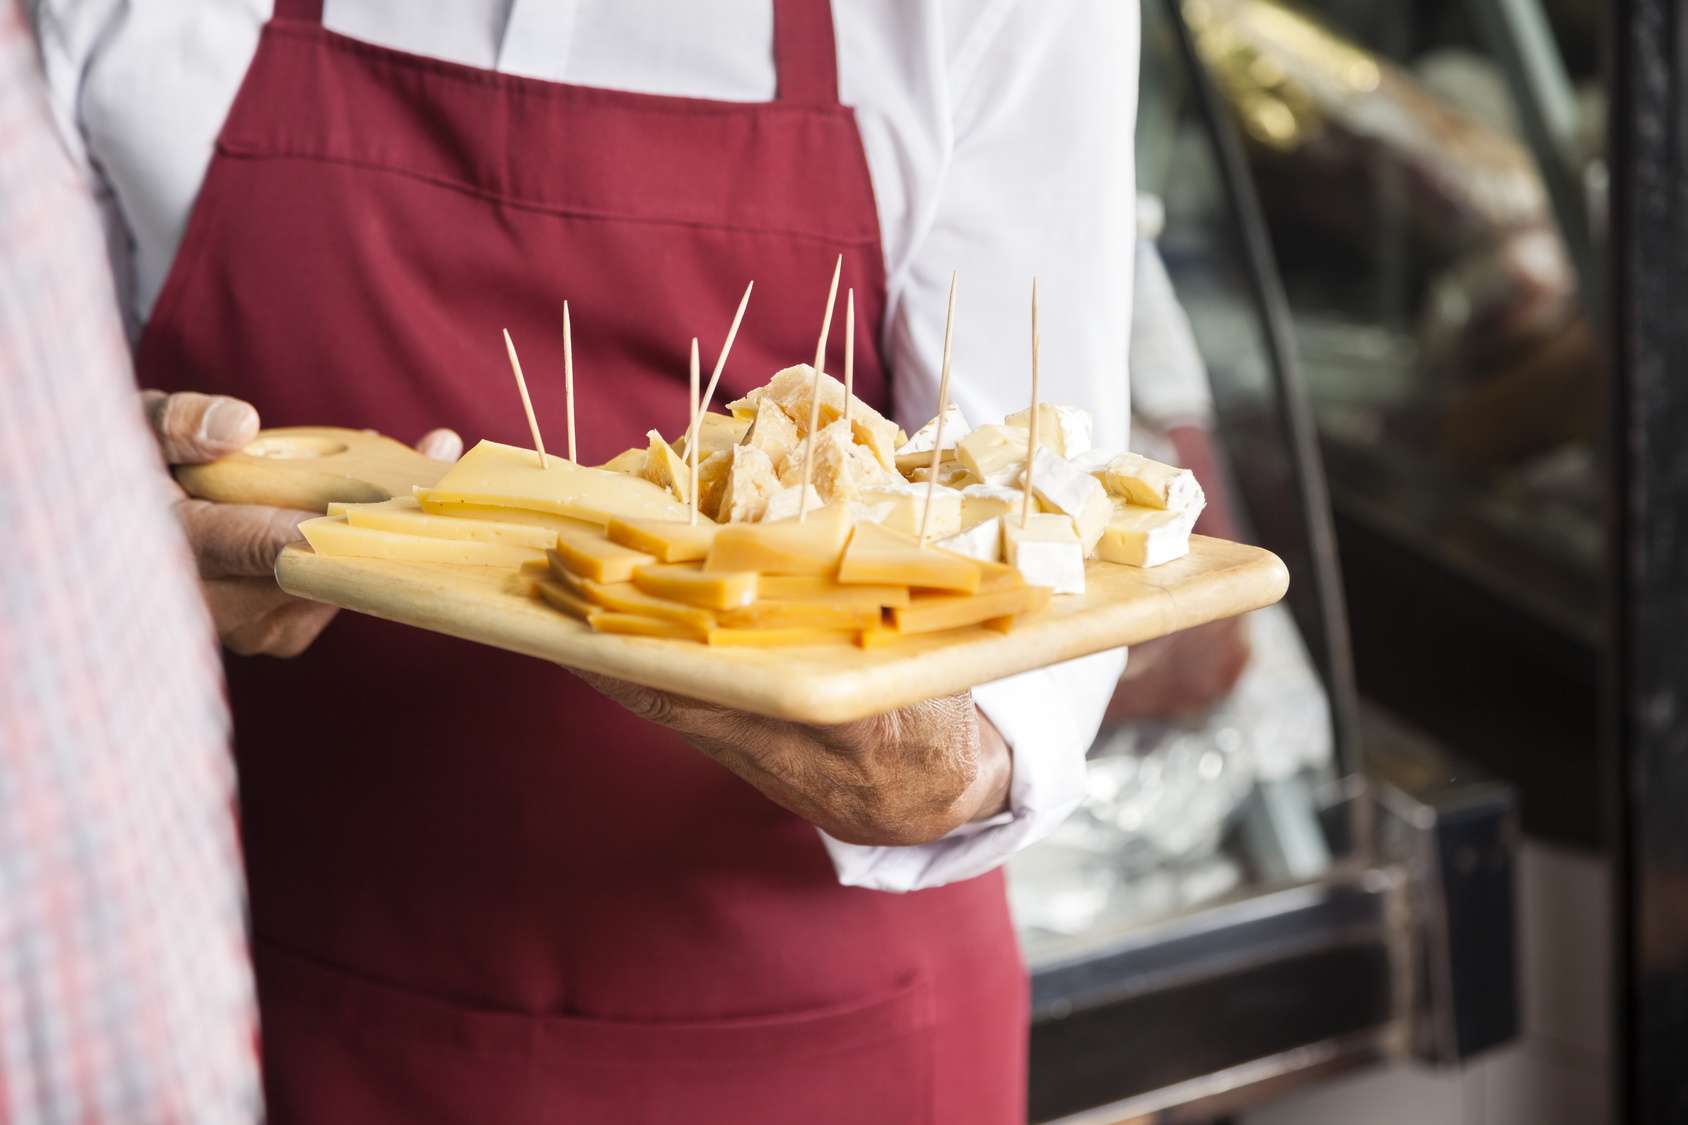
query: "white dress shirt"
999, 138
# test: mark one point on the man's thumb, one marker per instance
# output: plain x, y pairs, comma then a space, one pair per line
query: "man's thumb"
194, 428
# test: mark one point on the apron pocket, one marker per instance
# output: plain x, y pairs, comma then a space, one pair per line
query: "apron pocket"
341, 1048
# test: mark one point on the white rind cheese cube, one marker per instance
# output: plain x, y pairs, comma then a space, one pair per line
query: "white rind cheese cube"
908, 501
917, 450
1151, 484
1046, 551
1139, 536
1063, 488
982, 541
993, 454
981, 501
1065, 429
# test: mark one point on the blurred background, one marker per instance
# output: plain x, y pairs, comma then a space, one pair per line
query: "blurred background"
1404, 848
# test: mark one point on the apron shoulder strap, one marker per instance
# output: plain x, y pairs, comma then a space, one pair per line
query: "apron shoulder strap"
302, 11
805, 52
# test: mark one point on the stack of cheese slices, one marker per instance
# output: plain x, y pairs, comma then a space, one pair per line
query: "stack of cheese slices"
872, 550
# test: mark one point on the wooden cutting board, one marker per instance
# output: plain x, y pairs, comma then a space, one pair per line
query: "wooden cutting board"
817, 684
310, 467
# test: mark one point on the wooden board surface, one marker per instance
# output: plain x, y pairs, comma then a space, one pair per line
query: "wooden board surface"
310, 467
818, 684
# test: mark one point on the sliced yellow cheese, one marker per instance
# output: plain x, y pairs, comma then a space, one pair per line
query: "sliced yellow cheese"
683, 583
879, 555
545, 520
766, 614
777, 638
637, 625
629, 461
932, 613
668, 540
560, 597
666, 468
812, 546
333, 537
624, 597
803, 587
1152, 484
504, 476
878, 637
591, 555
404, 515
993, 454
1046, 550
1138, 536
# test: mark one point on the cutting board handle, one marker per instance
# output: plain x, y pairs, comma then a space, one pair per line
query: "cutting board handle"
310, 467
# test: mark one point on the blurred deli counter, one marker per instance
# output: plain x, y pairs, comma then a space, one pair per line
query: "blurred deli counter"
1374, 293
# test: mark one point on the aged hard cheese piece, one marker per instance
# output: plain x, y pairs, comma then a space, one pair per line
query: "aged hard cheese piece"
332, 536
982, 541
560, 597
1138, 536
638, 625
712, 481
1151, 484
1046, 551
931, 613
787, 502
715, 433
1067, 490
750, 484
771, 432
879, 555
1064, 429
590, 555
790, 390
787, 547
993, 454
404, 515
917, 450
666, 468
684, 583
668, 540
624, 597
907, 501
805, 587
841, 470
504, 476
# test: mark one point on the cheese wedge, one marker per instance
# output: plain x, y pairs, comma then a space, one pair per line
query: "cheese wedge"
666, 468
982, 541
993, 454
333, 537
803, 587
790, 389
812, 546
841, 470
917, 451
908, 501
680, 582
404, 515
668, 540
624, 597
932, 613
777, 638
771, 431
1066, 430
560, 597
629, 461
1072, 492
766, 614
712, 474
1151, 484
750, 483
636, 625
1138, 536
591, 555
1046, 551
504, 476
879, 555
716, 433
999, 576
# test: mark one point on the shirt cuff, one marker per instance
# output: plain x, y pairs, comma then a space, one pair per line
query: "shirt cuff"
1048, 718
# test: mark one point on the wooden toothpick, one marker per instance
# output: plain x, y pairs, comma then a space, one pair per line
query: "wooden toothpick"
815, 394
691, 440
721, 360
943, 408
527, 403
1031, 437
568, 377
849, 350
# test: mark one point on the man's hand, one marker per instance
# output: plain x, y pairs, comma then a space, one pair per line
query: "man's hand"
235, 545
906, 777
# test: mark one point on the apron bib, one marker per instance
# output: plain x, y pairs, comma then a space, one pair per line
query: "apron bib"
481, 893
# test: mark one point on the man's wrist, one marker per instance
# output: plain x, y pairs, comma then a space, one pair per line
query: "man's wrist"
990, 789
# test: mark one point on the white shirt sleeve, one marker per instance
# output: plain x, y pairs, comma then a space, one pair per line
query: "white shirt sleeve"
1040, 181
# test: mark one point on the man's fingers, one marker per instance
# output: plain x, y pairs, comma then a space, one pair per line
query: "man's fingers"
194, 428
441, 445
238, 540
256, 618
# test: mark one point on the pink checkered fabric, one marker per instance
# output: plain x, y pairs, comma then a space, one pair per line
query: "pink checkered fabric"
125, 987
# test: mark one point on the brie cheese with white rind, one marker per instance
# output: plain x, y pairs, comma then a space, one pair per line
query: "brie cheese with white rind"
1046, 551
1065, 429
1062, 488
1151, 484
917, 450
784, 504
993, 454
981, 501
1139, 536
908, 502
982, 541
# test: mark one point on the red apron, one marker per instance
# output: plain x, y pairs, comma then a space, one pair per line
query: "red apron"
480, 893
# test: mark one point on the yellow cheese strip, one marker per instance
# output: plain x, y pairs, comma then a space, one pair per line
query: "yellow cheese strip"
333, 537
798, 587
787, 547
629, 461
668, 540
710, 590
636, 625
590, 555
559, 597
766, 614
623, 597
931, 613
404, 515
505, 476
994, 576
879, 555
776, 638
546, 520
878, 637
